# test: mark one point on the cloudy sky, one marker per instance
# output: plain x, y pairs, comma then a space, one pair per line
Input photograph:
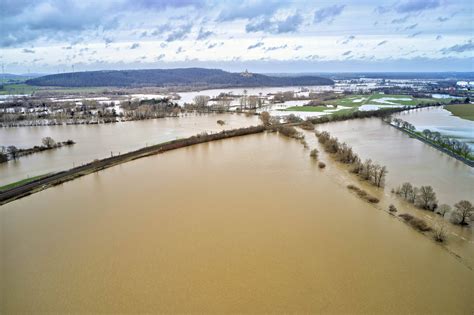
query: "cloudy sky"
50, 36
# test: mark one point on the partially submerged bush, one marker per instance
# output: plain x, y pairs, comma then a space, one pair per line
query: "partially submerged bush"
392, 208
221, 122
290, 132
439, 232
307, 125
314, 154
292, 118
415, 222
321, 165
265, 118
363, 194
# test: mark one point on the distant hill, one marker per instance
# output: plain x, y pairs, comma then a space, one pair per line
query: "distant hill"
172, 77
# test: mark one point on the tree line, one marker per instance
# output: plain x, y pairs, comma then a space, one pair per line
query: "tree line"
12, 152
453, 145
424, 197
368, 170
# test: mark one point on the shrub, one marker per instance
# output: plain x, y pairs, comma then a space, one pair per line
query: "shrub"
307, 125
321, 165
392, 208
415, 222
363, 194
292, 118
439, 233
290, 132
221, 122
314, 154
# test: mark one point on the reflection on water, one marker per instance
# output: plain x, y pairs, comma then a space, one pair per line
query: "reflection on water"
407, 159
99, 141
246, 225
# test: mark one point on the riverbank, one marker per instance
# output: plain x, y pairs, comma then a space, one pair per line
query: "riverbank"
58, 178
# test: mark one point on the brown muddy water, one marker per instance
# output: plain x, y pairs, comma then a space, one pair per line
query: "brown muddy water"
99, 141
246, 225
407, 159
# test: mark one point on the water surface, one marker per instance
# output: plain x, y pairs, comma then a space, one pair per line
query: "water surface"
99, 141
441, 120
245, 225
407, 159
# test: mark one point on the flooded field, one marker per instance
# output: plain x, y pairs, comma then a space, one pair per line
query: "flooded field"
99, 141
247, 225
440, 120
407, 159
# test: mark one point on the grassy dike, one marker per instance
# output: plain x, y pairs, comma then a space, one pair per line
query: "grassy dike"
21, 182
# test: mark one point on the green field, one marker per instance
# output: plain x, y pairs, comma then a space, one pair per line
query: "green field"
382, 99
17, 89
21, 182
464, 111
22, 88
306, 109
355, 100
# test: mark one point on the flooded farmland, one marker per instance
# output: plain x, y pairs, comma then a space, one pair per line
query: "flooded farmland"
440, 120
248, 225
99, 141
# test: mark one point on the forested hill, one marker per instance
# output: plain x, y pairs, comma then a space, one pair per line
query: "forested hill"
172, 77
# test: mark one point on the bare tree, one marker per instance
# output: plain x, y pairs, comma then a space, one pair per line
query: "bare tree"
464, 211
406, 190
443, 209
265, 118
252, 101
201, 100
13, 151
3, 157
367, 169
426, 198
48, 142
380, 172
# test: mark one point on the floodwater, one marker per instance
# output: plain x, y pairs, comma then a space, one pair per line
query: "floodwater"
407, 159
441, 120
99, 141
244, 225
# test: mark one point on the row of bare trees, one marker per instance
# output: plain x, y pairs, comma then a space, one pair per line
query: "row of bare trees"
368, 170
12, 152
454, 145
424, 197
